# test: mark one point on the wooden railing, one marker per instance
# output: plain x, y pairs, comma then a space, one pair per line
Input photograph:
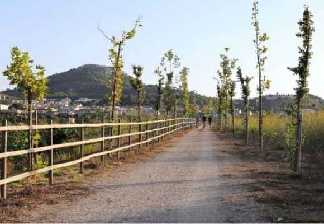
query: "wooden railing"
148, 132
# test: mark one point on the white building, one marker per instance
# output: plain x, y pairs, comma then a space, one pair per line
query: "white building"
4, 107
65, 102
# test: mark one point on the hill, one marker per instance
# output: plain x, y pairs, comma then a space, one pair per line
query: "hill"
277, 103
90, 81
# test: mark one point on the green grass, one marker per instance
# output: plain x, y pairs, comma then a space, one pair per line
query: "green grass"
276, 128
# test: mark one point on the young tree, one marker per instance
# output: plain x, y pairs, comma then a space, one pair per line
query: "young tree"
261, 49
220, 101
116, 60
306, 29
245, 88
210, 106
29, 79
232, 94
170, 62
224, 74
160, 86
193, 107
184, 89
137, 83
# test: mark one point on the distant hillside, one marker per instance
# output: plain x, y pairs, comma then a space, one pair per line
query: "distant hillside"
86, 81
276, 103
90, 81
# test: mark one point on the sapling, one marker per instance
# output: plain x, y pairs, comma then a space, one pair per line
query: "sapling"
306, 29
29, 79
184, 90
115, 55
170, 62
137, 83
261, 50
245, 93
160, 86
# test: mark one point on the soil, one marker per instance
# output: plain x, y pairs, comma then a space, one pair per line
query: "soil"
203, 176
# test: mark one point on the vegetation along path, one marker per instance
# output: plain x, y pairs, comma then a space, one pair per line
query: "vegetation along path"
183, 183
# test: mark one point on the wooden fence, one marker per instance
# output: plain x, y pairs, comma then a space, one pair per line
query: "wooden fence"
146, 133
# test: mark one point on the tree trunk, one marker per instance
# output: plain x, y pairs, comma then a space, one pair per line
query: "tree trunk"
113, 94
247, 122
158, 105
260, 118
260, 94
298, 152
30, 121
233, 118
139, 106
113, 97
225, 115
220, 117
175, 108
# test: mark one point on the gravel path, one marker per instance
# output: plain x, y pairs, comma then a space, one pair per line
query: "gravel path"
183, 183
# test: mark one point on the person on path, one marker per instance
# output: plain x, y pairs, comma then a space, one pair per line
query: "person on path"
204, 120
210, 120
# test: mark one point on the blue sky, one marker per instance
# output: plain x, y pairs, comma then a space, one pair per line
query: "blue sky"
62, 34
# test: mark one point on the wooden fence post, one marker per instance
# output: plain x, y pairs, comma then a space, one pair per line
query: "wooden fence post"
161, 124
158, 125
166, 129
103, 140
110, 145
30, 142
51, 156
140, 136
129, 132
118, 139
4, 161
147, 134
153, 134
183, 124
172, 126
173, 122
81, 147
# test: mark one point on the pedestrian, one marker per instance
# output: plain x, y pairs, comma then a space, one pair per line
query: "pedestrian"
204, 120
210, 120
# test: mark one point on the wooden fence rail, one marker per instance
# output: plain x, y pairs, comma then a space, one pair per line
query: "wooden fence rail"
148, 132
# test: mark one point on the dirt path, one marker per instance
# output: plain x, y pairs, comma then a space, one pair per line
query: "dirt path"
184, 183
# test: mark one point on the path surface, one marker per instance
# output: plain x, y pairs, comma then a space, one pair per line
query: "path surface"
183, 183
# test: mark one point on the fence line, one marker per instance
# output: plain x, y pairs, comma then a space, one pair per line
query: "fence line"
154, 132
94, 125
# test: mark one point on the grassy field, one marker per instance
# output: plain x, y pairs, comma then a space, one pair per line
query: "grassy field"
276, 130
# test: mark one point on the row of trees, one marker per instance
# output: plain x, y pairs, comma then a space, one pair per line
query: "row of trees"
226, 84
226, 89
31, 81
172, 86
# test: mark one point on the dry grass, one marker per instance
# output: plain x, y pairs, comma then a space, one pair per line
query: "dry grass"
282, 195
275, 130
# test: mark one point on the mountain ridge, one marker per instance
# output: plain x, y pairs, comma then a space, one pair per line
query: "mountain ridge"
90, 81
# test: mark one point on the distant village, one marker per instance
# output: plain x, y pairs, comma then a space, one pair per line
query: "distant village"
64, 107
67, 107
